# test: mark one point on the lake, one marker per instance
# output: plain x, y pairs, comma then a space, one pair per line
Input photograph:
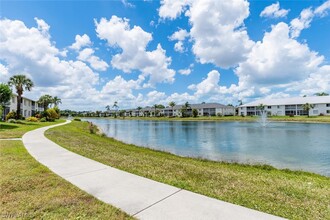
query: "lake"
296, 146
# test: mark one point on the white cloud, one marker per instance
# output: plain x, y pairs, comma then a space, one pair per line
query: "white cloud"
179, 35
96, 63
274, 11
217, 31
134, 56
127, 4
81, 41
301, 23
322, 10
29, 51
171, 9
178, 47
185, 71
43, 27
278, 59
208, 85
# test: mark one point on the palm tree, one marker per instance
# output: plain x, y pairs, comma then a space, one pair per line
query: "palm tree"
45, 101
107, 108
307, 107
155, 107
139, 109
172, 104
56, 101
20, 82
115, 106
321, 94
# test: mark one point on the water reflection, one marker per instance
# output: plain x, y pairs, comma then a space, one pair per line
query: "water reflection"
284, 145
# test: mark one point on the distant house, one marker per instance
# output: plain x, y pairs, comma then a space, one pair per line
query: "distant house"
28, 106
288, 106
205, 109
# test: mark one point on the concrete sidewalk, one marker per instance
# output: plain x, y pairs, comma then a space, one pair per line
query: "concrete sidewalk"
140, 197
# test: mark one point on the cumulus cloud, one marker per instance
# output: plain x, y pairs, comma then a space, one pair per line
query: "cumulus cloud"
81, 41
187, 71
180, 36
96, 63
32, 53
278, 59
217, 32
274, 11
171, 9
302, 22
134, 56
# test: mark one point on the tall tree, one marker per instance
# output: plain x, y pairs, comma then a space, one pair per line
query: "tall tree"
20, 82
5, 96
115, 106
155, 107
172, 104
107, 108
321, 94
45, 101
56, 101
139, 109
307, 107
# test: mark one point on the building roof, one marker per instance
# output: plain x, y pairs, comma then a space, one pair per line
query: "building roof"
290, 101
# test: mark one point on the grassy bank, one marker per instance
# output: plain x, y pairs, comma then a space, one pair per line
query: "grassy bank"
294, 195
30, 191
13, 130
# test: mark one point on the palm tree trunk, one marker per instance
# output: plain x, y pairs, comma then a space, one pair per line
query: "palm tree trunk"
18, 110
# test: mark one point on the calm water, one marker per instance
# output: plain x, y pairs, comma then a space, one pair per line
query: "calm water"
297, 146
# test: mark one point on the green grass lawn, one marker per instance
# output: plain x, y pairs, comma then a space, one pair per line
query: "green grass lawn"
13, 130
31, 191
294, 195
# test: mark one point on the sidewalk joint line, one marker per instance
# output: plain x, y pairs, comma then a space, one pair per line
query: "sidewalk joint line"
78, 174
157, 202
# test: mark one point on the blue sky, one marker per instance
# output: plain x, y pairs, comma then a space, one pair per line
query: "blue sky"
93, 53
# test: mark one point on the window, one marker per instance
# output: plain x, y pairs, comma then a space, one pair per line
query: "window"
269, 107
328, 105
278, 106
13, 99
328, 111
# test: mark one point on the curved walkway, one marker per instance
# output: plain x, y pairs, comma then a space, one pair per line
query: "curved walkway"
138, 196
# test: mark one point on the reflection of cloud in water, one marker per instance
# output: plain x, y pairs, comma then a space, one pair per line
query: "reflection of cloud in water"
283, 145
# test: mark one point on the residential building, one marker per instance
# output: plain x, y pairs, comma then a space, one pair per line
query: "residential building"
288, 106
204, 109
28, 106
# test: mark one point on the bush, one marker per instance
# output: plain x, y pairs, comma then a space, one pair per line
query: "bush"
291, 115
321, 114
32, 119
195, 113
38, 115
43, 120
51, 113
11, 115
219, 114
12, 120
77, 119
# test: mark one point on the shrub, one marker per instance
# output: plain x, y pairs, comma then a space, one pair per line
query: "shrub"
195, 113
321, 114
219, 114
12, 120
43, 120
92, 128
51, 113
291, 115
38, 115
11, 115
32, 119
77, 119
